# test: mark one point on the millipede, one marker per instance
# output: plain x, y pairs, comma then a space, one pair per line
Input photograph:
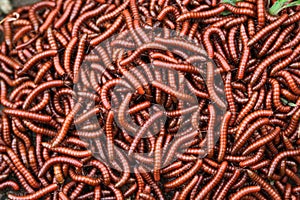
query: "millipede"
150, 100
267, 29
268, 188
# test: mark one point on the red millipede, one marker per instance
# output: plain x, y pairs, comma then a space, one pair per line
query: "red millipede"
251, 117
276, 97
261, 13
7, 33
182, 44
236, 21
210, 86
36, 195
293, 176
69, 151
292, 19
267, 29
267, 62
132, 30
132, 80
290, 81
262, 141
249, 106
109, 32
21, 168
201, 14
176, 66
267, 187
141, 49
293, 123
222, 22
223, 136
112, 14
254, 159
28, 115
21, 33
11, 184
103, 169
41, 88
231, 43
58, 174
222, 61
109, 135
58, 159
10, 62
68, 54
32, 160
158, 155
210, 131
166, 10
171, 91
42, 71
285, 62
66, 125
229, 184
79, 58
60, 38
240, 10
183, 195
23, 153
241, 140
266, 46
149, 180
6, 126
35, 59
84, 179
245, 191
121, 115
245, 53
175, 145
213, 182
206, 39
281, 156
20, 177
63, 18
42, 104
186, 176
76, 9
279, 41
143, 130
295, 41
140, 181
51, 16
229, 98
85, 16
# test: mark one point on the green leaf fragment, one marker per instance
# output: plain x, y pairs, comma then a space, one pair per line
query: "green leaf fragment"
294, 3
292, 104
279, 5
226, 12
232, 2
284, 101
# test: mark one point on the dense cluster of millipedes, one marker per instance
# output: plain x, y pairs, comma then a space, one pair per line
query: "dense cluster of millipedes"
110, 99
